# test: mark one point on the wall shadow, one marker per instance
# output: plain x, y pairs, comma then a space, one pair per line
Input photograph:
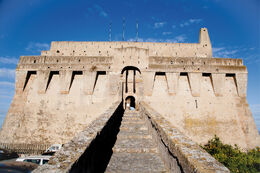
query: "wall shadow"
97, 156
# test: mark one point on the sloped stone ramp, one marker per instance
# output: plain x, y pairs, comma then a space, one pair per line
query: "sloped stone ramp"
135, 149
142, 141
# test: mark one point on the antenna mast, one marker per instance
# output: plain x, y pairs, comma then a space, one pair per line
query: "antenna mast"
136, 30
110, 31
123, 36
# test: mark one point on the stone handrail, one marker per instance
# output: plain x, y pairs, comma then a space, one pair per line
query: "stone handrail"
190, 156
70, 153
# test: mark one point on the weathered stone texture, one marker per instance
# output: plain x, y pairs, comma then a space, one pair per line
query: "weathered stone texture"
146, 142
71, 151
135, 150
189, 155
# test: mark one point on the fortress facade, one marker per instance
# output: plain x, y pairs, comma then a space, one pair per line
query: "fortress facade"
60, 92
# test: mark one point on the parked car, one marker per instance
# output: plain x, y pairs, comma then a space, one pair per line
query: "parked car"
40, 160
5, 155
17, 167
52, 149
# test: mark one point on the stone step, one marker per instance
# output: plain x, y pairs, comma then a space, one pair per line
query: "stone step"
131, 112
135, 162
135, 150
137, 136
137, 125
132, 119
132, 133
135, 128
137, 116
135, 143
130, 122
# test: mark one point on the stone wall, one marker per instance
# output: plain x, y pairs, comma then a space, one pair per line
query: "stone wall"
54, 104
202, 49
90, 151
202, 105
96, 137
180, 153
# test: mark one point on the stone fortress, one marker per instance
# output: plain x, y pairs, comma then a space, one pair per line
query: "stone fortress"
61, 92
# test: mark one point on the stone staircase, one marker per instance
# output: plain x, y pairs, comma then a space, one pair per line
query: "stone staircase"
135, 149
129, 141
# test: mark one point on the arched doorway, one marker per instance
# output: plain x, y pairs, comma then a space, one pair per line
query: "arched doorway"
130, 78
130, 103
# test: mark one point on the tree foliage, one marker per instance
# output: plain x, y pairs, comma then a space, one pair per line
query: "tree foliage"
233, 158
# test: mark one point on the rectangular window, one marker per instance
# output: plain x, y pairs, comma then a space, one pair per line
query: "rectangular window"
28, 76
183, 74
206, 74
230, 74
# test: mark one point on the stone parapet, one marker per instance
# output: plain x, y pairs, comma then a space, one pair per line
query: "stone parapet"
203, 49
189, 155
207, 65
63, 160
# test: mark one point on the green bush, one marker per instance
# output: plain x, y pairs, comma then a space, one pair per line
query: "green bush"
232, 157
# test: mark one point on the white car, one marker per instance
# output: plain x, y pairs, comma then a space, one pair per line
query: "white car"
40, 160
54, 148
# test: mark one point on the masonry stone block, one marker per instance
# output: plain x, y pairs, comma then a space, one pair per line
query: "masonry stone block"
114, 84
89, 82
65, 81
172, 81
148, 79
20, 81
241, 80
218, 81
195, 81
42, 78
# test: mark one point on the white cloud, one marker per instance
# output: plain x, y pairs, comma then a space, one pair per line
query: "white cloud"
190, 21
217, 49
223, 52
153, 40
195, 20
252, 58
10, 73
166, 33
177, 39
37, 47
159, 24
138, 40
8, 60
97, 9
6, 83
100, 11
249, 55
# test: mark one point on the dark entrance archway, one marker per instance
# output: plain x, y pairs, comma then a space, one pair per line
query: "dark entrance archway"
130, 68
130, 103
130, 78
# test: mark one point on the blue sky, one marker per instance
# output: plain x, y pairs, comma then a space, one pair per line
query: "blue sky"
29, 26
